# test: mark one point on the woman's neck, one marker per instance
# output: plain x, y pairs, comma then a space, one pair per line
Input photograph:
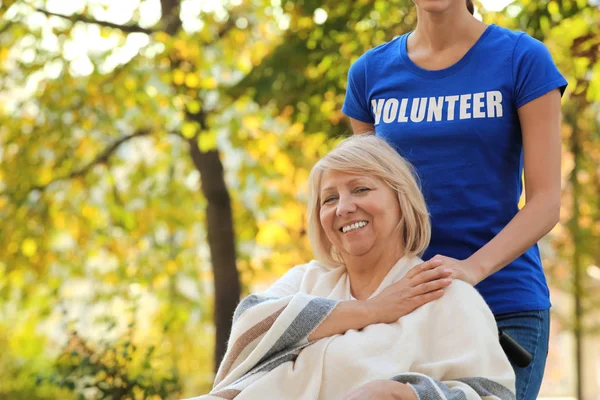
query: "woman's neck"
440, 31
367, 272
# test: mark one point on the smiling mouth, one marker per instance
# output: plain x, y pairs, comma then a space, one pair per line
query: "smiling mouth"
353, 227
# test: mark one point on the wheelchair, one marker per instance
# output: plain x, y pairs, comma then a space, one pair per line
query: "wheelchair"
514, 351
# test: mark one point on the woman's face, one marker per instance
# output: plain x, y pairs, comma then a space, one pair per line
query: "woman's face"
359, 214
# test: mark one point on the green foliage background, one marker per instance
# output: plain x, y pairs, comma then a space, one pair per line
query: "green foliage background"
106, 282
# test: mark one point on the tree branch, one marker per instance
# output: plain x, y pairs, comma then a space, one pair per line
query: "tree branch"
102, 158
82, 18
6, 27
19, 198
229, 25
170, 20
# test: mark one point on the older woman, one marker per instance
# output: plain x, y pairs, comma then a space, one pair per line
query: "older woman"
331, 328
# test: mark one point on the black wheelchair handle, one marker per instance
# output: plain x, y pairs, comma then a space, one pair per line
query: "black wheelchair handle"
515, 352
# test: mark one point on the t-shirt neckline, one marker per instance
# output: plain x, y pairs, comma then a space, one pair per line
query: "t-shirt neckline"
445, 71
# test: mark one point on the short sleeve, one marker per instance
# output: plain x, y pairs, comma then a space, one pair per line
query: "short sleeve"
355, 103
534, 71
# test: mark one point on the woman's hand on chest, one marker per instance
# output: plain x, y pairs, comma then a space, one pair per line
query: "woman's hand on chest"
422, 284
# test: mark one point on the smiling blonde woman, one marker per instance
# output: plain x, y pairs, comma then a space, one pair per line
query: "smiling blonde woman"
378, 166
363, 321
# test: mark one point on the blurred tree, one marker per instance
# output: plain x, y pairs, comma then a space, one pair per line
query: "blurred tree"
152, 152
583, 186
109, 132
307, 70
571, 30
112, 371
82, 102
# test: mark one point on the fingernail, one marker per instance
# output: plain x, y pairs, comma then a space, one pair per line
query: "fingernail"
437, 260
447, 270
448, 280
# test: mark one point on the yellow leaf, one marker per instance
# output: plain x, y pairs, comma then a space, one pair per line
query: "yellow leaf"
254, 153
178, 77
88, 211
74, 230
191, 80
3, 53
180, 44
282, 164
244, 64
28, 247
160, 281
138, 393
291, 214
193, 106
16, 278
553, 8
101, 376
45, 176
296, 129
161, 37
189, 129
105, 32
131, 270
267, 144
209, 83
305, 22
111, 278
59, 221
207, 141
12, 248
271, 233
171, 267
143, 245
301, 176
87, 124
130, 102
130, 83
328, 106
251, 122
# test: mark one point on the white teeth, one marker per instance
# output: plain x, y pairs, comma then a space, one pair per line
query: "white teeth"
354, 226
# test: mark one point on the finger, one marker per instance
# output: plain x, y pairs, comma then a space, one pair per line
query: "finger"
431, 275
431, 286
425, 298
425, 266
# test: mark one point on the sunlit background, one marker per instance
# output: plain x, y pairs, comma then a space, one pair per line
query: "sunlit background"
115, 122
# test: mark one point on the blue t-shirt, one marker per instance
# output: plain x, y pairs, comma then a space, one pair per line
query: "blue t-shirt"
460, 129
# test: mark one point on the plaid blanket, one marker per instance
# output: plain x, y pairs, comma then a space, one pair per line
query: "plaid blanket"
447, 349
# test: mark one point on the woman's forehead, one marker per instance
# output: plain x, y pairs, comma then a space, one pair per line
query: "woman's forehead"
333, 178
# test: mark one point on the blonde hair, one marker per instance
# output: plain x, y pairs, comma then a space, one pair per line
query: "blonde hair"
372, 156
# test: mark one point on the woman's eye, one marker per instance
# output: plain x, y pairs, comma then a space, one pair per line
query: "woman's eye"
329, 199
362, 189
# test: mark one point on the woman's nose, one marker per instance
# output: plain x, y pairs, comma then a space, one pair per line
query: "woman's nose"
345, 206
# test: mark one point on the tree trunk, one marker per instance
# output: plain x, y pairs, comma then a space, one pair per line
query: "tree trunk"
219, 219
221, 242
575, 229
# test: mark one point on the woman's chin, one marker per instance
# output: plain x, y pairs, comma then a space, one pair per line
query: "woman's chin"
434, 6
358, 250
